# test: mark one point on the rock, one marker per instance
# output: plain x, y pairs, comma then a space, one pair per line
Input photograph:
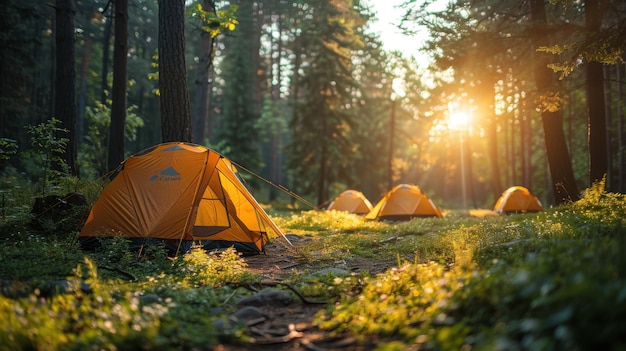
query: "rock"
292, 237
223, 325
267, 297
249, 313
149, 299
63, 287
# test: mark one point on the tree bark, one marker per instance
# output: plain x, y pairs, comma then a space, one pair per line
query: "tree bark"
65, 80
106, 40
620, 129
174, 98
594, 84
561, 172
527, 146
201, 117
82, 96
491, 134
118, 107
275, 157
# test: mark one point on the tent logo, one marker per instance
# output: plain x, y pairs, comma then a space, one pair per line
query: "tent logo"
167, 175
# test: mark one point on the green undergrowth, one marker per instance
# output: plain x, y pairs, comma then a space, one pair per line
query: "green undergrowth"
341, 235
552, 280
158, 304
548, 281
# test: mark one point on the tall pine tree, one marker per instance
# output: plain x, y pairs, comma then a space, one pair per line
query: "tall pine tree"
237, 135
323, 119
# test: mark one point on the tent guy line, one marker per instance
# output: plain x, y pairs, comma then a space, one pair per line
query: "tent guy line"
277, 186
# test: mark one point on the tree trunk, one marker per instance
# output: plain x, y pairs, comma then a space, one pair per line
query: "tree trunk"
492, 150
174, 98
562, 174
201, 116
608, 136
276, 138
484, 103
620, 129
322, 181
527, 146
106, 41
392, 132
594, 85
118, 107
82, 96
507, 155
65, 82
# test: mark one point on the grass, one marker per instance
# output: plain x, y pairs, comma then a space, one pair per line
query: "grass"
552, 280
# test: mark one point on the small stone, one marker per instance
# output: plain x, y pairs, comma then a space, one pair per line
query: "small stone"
267, 297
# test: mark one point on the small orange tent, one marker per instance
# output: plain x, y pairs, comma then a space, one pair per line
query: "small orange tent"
517, 199
352, 201
403, 202
180, 193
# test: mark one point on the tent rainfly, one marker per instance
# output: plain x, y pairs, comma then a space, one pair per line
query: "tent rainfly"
404, 202
177, 194
517, 199
352, 201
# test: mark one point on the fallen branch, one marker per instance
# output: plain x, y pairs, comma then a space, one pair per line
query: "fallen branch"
292, 288
293, 334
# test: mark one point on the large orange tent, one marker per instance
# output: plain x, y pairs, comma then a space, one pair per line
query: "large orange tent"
180, 193
517, 199
352, 201
404, 202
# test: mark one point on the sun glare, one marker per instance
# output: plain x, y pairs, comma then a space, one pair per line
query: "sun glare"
458, 121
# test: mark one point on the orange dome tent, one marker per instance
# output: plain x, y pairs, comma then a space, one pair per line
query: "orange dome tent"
404, 202
517, 199
179, 193
352, 201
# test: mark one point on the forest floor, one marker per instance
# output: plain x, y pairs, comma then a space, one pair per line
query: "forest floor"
292, 327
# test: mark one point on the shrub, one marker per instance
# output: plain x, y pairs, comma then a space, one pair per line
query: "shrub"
214, 269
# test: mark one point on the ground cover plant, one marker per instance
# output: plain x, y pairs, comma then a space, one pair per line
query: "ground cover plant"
552, 280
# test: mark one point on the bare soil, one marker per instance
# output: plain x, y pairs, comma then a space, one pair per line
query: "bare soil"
291, 327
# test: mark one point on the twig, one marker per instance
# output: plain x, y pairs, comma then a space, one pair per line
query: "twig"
292, 288
229, 297
293, 334
126, 274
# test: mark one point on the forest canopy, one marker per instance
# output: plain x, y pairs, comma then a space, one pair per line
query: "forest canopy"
304, 93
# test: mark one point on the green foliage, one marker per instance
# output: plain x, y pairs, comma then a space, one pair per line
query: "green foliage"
204, 269
8, 147
154, 75
160, 312
271, 124
345, 235
550, 281
16, 194
395, 302
237, 134
94, 152
602, 47
115, 250
27, 255
100, 319
47, 149
331, 286
333, 221
323, 123
216, 22
558, 298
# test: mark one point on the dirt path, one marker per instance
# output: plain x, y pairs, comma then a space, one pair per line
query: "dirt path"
291, 327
